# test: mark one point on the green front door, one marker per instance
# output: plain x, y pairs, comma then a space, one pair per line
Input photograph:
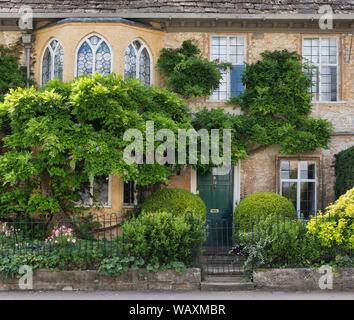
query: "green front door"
217, 193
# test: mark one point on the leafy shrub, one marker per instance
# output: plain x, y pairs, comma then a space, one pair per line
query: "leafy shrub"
187, 72
177, 201
78, 256
261, 205
282, 243
161, 238
117, 265
344, 171
335, 227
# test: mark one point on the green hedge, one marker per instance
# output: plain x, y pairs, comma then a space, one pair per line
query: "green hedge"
176, 201
161, 238
344, 170
261, 205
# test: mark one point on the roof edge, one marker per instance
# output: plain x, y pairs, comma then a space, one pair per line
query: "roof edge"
99, 20
177, 15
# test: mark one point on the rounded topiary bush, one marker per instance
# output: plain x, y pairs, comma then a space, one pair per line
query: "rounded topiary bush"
176, 201
260, 205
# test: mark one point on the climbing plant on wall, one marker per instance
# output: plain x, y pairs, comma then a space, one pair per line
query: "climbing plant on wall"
344, 170
187, 72
276, 106
63, 126
12, 74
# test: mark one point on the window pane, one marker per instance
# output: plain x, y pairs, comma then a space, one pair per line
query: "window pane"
144, 67
84, 192
285, 170
46, 66
58, 63
129, 192
100, 189
311, 171
293, 169
84, 60
103, 59
307, 170
307, 199
130, 63
94, 40
221, 92
219, 49
289, 191
311, 50
328, 83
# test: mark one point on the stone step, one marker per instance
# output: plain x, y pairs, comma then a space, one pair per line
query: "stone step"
237, 278
226, 286
223, 272
222, 260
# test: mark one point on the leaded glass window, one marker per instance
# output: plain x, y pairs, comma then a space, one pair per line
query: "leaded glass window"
298, 184
94, 55
232, 50
137, 62
52, 62
322, 54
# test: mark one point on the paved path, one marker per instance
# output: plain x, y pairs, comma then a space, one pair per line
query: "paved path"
197, 295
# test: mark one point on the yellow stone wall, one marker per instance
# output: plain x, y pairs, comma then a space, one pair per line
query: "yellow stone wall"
118, 36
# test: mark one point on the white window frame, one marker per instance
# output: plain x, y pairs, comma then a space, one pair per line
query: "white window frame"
318, 96
298, 181
228, 71
52, 53
93, 51
137, 54
98, 204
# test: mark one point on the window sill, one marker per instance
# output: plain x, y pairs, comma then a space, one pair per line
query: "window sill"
329, 102
128, 206
95, 206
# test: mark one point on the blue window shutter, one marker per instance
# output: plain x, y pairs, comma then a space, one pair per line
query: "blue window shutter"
237, 86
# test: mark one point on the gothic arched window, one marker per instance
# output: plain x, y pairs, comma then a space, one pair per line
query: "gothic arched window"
94, 55
52, 62
137, 62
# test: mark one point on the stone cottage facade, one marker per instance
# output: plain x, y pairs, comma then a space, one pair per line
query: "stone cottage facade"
70, 38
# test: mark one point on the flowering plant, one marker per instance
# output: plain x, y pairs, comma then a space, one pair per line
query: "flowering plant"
61, 236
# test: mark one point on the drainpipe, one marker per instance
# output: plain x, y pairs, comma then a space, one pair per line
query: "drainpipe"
27, 43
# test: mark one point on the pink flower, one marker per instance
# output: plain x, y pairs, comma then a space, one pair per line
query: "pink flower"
73, 241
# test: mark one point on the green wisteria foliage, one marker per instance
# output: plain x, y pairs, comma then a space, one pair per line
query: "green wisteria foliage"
65, 134
277, 104
56, 129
